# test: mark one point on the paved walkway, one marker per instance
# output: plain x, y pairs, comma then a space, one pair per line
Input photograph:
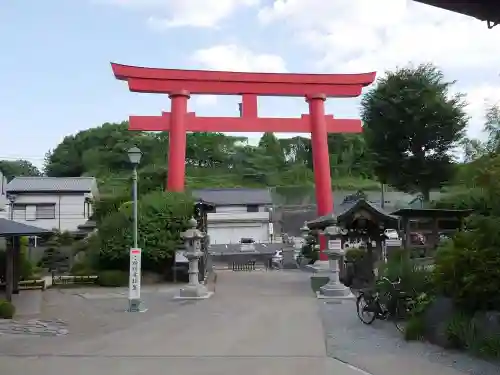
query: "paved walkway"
257, 323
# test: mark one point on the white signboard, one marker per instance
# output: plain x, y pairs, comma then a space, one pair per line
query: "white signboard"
134, 282
335, 245
271, 229
393, 242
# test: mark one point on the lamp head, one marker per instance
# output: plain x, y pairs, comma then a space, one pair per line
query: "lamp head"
134, 155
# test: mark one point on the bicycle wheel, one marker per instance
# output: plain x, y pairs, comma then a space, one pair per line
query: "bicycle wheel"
401, 315
364, 307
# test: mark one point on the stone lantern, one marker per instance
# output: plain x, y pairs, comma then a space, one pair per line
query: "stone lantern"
334, 289
192, 239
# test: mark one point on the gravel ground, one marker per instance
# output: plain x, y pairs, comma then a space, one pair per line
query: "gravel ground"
367, 347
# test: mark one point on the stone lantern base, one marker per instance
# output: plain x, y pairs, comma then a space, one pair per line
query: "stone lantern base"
334, 290
190, 292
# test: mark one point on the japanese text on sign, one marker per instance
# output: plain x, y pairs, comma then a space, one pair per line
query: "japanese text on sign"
135, 274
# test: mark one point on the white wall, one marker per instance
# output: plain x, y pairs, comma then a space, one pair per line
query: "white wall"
229, 224
233, 232
69, 210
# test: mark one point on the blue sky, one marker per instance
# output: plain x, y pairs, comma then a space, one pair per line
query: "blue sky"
56, 78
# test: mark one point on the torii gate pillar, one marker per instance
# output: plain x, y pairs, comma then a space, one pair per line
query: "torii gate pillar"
177, 141
321, 157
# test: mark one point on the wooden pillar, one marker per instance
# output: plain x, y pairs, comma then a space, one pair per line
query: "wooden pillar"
435, 238
407, 230
16, 264
9, 270
321, 163
177, 141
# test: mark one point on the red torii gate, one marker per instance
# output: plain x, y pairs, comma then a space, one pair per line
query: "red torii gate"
180, 84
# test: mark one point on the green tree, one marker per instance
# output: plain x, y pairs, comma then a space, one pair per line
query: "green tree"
162, 217
411, 123
18, 168
54, 257
492, 128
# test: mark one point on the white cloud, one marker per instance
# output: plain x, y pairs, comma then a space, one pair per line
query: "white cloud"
366, 35
230, 57
180, 13
479, 98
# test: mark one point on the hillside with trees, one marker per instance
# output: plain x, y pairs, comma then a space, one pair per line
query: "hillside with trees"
213, 159
411, 126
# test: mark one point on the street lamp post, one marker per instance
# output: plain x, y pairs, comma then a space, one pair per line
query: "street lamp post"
134, 294
12, 199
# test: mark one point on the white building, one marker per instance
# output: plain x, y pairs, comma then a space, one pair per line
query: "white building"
240, 214
51, 202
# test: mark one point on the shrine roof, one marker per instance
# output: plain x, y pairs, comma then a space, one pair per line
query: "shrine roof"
431, 213
484, 10
346, 209
10, 228
234, 196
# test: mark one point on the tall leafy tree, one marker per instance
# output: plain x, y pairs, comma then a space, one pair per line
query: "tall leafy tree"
17, 168
412, 122
492, 128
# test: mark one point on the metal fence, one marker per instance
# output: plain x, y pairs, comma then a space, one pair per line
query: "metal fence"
238, 261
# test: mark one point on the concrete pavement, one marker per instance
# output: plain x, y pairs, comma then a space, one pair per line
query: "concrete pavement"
257, 323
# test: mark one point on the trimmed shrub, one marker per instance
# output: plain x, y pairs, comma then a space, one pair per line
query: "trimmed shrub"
112, 278
7, 309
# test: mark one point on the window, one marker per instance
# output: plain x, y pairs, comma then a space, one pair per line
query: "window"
252, 208
45, 211
87, 206
19, 212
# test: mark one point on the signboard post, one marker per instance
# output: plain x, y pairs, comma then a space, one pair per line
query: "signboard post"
134, 282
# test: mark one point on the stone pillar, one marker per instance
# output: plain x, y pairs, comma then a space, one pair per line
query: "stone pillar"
194, 290
334, 289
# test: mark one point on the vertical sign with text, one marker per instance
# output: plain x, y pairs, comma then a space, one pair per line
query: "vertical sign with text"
134, 286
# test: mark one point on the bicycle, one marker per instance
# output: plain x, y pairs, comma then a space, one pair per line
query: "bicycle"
398, 307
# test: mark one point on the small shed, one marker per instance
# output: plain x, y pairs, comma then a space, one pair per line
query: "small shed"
430, 223
12, 231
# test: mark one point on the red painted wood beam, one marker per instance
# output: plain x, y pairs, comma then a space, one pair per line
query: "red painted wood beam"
232, 88
237, 124
166, 81
126, 72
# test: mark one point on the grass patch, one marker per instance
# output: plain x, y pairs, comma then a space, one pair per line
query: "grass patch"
318, 281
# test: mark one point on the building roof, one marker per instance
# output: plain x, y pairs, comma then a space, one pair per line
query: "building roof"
234, 196
51, 184
484, 10
348, 208
431, 213
13, 228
